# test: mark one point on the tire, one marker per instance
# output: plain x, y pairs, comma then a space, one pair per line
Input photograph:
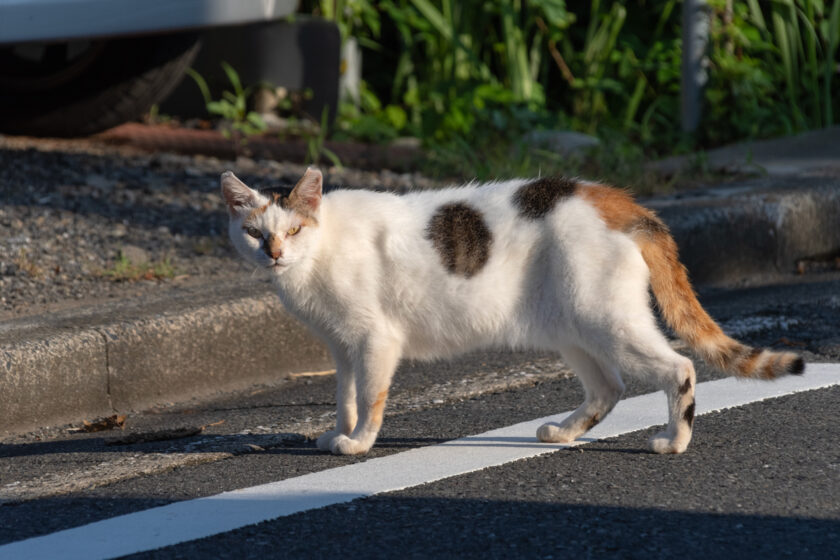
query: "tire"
109, 83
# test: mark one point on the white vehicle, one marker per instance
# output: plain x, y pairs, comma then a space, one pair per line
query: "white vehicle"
76, 67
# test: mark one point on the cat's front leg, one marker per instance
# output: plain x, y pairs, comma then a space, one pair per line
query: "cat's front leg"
373, 377
345, 397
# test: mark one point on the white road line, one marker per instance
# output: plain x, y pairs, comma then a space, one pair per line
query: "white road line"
194, 519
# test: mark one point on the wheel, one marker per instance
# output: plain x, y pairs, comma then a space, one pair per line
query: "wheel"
84, 87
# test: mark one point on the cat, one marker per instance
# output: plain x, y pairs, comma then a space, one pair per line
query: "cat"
550, 263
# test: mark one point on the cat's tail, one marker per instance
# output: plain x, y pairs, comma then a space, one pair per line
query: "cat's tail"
683, 313
676, 298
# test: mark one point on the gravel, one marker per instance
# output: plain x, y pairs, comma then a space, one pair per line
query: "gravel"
70, 209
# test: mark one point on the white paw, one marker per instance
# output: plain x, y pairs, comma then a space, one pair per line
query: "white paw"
325, 440
663, 442
553, 433
343, 445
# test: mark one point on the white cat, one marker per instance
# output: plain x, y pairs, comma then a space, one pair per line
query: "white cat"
546, 264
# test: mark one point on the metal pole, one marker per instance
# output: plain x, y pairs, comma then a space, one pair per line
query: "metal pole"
695, 38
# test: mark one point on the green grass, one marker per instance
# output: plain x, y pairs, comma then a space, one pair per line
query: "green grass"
123, 270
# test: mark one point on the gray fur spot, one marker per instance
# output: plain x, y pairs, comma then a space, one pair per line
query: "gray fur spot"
649, 226
287, 199
538, 198
461, 238
279, 196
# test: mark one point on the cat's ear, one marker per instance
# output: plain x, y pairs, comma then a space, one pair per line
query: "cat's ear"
308, 190
237, 194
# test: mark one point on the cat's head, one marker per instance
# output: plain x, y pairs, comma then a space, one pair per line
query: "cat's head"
274, 228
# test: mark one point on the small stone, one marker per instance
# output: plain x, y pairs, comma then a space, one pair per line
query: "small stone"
265, 100
119, 230
408, 142
561, 141
135, 255
99, 182
245, 163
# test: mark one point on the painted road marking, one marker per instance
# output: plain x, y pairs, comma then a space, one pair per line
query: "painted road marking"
204, 517
215, 448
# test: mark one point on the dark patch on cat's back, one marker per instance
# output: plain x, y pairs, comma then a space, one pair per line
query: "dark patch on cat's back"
536, 199
461, 237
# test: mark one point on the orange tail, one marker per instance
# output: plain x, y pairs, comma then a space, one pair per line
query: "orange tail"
675, 296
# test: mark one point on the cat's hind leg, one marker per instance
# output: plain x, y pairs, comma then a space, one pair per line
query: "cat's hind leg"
603, 389
345, 397
374, 371
644, 352
679, 389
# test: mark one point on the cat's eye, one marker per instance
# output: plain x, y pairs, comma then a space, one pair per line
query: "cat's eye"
293, 230
254, 232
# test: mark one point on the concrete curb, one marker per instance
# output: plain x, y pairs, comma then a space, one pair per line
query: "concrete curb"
197, 342
810, 151
127, 356
760, 227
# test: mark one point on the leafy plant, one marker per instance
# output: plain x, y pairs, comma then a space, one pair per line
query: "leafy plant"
354, 18
233, 106
472, 78
804, 36
773, 68
315, 143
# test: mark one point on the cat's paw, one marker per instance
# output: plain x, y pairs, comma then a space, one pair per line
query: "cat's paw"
553, 433
664, 442
343, 445
325, 440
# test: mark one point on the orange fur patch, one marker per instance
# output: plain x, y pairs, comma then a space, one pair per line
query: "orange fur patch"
673, 291
377, 409
668, 277
616, 207
771, 367
748, 364
257, 212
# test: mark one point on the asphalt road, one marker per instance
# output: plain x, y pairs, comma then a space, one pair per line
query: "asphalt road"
761, 480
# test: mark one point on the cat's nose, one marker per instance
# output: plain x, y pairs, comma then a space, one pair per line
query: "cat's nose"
272, 247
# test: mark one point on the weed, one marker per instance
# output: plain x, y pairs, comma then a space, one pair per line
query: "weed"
233, 106
123, 270
154, 116
315, 147
205, 246
449, 72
